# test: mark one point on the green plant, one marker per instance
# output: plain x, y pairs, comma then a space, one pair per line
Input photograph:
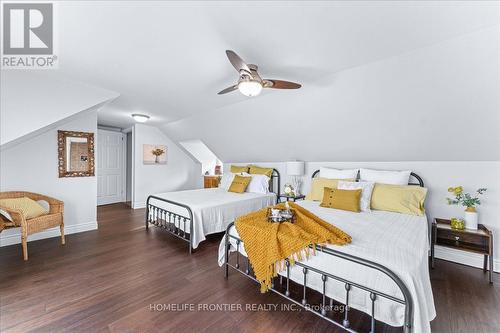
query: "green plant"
465, 199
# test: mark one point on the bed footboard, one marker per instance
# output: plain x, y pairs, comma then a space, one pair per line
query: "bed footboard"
171, 222
407, 300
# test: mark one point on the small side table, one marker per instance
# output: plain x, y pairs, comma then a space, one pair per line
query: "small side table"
211, 181
476, 241
291, 198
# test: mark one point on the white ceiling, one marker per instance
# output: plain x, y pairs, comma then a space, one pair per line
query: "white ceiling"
167, 58
32, 101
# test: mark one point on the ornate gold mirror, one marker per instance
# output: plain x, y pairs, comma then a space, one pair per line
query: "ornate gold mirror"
76, 154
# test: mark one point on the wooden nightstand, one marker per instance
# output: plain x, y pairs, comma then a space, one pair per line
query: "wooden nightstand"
211, 181
291, 198
475, 241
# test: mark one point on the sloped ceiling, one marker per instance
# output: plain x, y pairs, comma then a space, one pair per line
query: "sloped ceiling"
437, 103
381, 80
33, 100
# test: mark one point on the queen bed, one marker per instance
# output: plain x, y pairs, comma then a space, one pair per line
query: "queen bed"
383, 272
191, 215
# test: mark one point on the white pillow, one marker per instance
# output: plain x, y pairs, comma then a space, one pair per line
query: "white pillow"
258, 184
385, 177
338, 173
366, 192
226, 180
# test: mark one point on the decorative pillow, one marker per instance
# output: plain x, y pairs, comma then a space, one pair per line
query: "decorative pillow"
385, 177
400, 199
317, 186
30, 208
258, 183
342, 199
255, 170
331, 173
239, 184
239, 169
366, 192
226, 180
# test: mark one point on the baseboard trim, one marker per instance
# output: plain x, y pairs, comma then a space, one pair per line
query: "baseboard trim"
15, 238
138, 205
462, 257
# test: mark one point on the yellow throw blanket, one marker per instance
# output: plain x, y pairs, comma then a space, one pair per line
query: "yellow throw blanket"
269, 244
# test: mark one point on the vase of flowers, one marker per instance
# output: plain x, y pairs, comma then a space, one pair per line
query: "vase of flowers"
157, 153
469, 202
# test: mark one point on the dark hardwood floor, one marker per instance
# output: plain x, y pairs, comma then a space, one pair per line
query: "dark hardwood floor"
107, 280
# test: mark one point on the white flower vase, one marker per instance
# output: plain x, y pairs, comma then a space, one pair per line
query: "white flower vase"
470, 218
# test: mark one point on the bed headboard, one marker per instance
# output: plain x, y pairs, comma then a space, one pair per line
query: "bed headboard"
413, 175
275, 182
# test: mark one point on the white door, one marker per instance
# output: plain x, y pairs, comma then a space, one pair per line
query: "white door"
110, 167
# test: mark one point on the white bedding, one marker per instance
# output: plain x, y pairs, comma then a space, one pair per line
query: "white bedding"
397, 241
213, 208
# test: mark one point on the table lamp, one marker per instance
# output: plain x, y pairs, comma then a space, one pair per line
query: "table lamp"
295, 169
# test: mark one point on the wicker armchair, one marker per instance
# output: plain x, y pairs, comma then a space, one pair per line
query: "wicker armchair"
53, 219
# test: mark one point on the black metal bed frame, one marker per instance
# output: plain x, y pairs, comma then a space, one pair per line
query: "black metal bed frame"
407, 299
171, 222
412, 174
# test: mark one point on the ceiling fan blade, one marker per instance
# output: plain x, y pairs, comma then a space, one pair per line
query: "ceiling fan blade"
228, 89
279, 84
237, 62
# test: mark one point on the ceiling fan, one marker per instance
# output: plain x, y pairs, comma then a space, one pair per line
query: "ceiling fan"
249, 82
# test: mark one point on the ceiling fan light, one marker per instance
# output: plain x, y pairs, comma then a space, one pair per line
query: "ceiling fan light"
250, 88
140, 118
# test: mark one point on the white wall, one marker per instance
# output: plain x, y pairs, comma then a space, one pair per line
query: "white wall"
180, 173
199, 150
33, 166
437, 176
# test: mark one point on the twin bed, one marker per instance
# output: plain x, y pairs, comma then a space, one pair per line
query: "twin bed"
193, 214
383, 272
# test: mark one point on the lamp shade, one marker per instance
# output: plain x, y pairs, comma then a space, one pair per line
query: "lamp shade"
295, 168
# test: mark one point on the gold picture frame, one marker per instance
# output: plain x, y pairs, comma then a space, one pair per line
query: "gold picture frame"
76, 154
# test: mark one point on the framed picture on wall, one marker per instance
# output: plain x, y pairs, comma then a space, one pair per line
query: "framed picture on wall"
154, 154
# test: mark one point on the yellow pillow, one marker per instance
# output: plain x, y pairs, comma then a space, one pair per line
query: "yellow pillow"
342, 199
261, 171
239, 169
318, 184
404, 199
30, 208
239, 184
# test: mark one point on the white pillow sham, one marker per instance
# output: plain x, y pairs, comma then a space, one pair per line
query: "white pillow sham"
258, 184
366, 192
331, 173
385, 177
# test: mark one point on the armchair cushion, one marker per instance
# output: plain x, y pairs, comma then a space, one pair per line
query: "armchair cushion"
27, 206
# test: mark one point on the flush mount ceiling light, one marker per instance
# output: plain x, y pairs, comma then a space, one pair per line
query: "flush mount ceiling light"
140, 118
249, 82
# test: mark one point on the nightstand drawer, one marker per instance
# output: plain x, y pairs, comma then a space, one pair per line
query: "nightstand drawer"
458, 239
477, 241
211, 181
